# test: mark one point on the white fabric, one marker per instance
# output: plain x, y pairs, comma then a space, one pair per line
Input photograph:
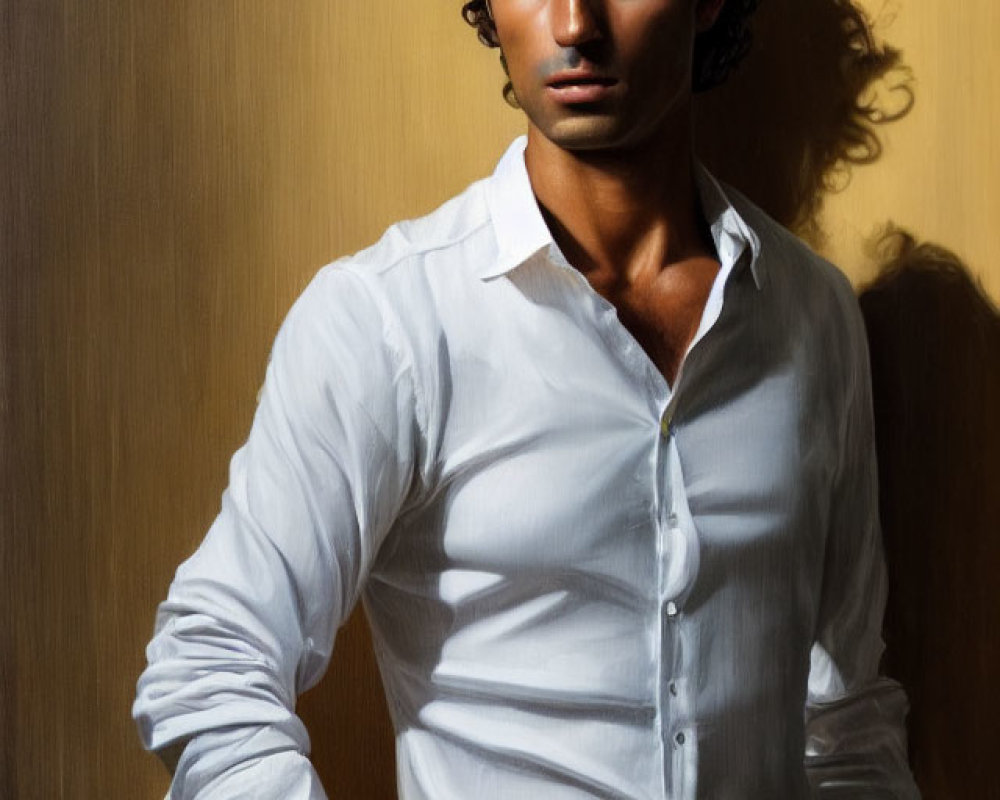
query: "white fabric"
581, 582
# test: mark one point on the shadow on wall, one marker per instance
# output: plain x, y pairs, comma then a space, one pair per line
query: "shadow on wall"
802, 109
935, 347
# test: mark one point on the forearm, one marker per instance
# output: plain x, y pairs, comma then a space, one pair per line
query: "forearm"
244, 762
856, 746
217, 699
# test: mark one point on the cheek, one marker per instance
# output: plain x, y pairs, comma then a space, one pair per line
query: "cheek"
658, 42
662, 66
523, 30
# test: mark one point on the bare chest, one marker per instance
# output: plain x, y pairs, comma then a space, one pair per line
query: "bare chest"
663, 314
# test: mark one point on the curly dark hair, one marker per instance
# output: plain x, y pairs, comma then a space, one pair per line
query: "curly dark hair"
716, 51
720, 49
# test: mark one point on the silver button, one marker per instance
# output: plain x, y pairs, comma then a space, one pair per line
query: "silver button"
671, 609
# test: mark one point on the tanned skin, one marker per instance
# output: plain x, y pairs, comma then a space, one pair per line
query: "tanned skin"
606, 86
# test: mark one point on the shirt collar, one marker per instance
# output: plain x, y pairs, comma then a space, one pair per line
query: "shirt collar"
517, 221
521, 231
730, 232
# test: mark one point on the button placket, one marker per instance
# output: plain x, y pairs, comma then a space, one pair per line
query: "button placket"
667, 535
665, 522
664, 501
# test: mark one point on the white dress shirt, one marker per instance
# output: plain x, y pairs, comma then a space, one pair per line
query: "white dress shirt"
581, 581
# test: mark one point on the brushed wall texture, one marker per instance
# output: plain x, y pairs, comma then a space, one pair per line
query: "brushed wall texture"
176, 172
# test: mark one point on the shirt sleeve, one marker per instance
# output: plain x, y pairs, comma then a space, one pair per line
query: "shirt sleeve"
250, 618
855, 720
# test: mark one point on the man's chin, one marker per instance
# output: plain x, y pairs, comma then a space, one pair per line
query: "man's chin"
585, 134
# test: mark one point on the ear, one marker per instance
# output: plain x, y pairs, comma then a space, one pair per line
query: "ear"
706, 13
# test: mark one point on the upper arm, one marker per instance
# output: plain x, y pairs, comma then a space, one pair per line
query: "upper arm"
848, 642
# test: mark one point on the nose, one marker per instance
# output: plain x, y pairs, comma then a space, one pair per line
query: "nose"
575, 22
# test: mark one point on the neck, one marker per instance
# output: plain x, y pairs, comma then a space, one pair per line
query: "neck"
620, 213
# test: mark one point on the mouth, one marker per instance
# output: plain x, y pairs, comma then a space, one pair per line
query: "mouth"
579, 87
579, 78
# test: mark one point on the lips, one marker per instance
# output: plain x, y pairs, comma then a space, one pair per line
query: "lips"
579, 86
564, 79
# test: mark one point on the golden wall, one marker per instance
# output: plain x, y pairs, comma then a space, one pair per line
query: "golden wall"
940, 170
175, 174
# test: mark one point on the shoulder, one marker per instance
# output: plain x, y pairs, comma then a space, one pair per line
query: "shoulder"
409, 244
796, 275
807, 302
413, 262
367, 316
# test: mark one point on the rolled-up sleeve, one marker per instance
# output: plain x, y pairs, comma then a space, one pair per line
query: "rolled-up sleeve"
250, 618
855, 719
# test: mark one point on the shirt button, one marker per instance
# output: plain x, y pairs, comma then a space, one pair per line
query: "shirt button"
679, 738
672, 519
673, 689
665, 421
671, 609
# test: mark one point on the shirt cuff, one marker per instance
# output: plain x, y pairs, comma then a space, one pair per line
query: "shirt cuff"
259, 762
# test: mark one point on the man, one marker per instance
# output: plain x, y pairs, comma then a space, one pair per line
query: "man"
592, 442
